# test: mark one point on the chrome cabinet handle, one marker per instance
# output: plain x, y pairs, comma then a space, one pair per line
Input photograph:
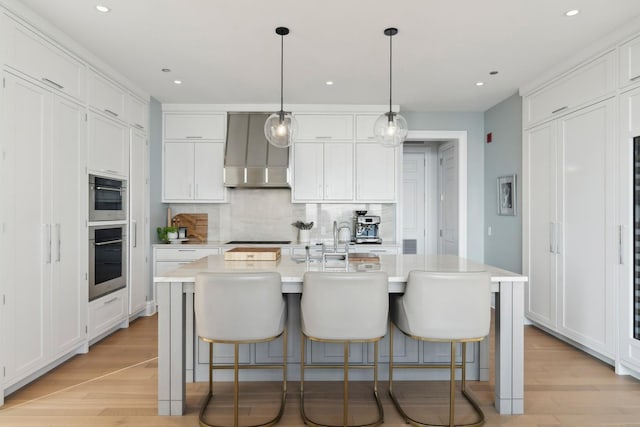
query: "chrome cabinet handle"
51, 82
48, 242
119, 190
135, 233
560, 109
552, 233
194, 137
558, 237
58, 230
620, 248
138, 126
324, 137
110, 301
113, 113
635, 78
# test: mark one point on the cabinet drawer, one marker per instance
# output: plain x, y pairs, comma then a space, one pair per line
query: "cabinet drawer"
137, 112
106, 312
629, 69
185, 254
576, 89
325, 127
364, 127
194, 126
32, 54
105, 96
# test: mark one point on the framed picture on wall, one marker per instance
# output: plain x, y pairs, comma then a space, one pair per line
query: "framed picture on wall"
507, 195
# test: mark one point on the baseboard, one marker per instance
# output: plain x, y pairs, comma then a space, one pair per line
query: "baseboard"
150, 309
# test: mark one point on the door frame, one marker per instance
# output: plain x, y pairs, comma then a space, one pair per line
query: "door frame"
460, 139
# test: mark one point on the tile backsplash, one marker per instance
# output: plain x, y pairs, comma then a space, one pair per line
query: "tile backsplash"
267, 214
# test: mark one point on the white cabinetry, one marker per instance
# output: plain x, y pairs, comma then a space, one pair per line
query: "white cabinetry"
106, 96
570, 253
193, 158
107, 312
30, 53
138, 224
364, 127
137, 113
585, 85
325, 127
322, 171
43, 235
108, 146
629, 69
375, 172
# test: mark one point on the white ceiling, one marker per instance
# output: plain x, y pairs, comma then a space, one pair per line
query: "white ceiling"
226, 51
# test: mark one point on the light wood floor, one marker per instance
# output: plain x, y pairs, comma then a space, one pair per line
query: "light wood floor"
115, 385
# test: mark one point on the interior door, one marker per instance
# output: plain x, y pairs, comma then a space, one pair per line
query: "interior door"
448, 185
413, 203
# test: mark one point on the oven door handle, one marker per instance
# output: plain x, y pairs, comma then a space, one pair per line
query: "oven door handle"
110, 242
115, 189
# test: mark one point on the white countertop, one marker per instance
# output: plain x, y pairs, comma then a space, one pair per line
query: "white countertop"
293, 244
396, 266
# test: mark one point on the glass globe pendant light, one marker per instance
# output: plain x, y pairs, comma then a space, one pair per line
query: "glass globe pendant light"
390, 129
281, 127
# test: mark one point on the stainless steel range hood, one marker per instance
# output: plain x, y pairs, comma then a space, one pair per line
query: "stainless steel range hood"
249, 160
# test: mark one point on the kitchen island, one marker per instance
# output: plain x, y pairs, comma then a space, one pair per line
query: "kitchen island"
177, 353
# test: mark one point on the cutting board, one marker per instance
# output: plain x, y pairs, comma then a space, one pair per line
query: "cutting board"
252, 254
363, 257
197, 225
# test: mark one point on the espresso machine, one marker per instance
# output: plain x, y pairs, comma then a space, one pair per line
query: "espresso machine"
367, 228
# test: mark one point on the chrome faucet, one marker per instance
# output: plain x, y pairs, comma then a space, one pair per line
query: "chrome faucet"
335, 236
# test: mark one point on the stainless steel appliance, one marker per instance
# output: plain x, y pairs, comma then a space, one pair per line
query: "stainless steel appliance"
367, 229
107, 199
107, 260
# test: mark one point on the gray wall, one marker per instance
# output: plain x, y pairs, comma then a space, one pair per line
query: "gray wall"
503, 156
473, 123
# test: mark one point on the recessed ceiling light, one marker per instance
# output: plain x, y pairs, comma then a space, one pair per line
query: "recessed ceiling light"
103, 9
479, 83
493, 73
572, 12
178, 82
166, 70
329, 83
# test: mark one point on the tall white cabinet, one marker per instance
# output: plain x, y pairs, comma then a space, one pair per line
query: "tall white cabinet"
44, 286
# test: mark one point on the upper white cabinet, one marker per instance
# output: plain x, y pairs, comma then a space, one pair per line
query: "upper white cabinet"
629, 70
108, 146
195, 126
375, 172
193, 157
322, 171
587, 84
364, 127
325, 127
30, 53
138, 113
106, 96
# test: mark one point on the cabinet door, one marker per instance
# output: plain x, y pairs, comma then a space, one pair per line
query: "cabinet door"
108, 146
539, 222
34, 55
325, 127
69, 238
177, 175
107, 97
364, 127
338, 171
205, 126
375, 173
208, 171
308, 175
25, 243
138, 228
630, 62
588, 245
137, 113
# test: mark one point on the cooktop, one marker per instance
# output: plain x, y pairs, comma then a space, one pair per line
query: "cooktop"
258, 242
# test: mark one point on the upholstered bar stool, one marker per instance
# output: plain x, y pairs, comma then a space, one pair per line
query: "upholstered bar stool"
344, 308
442, 307
240, 308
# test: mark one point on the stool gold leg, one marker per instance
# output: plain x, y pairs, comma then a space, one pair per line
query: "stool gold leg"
235, 385
345, 380
452, 385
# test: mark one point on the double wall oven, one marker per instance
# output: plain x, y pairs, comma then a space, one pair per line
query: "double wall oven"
107, 235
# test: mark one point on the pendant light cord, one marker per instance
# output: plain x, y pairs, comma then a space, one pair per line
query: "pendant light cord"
390, 73
281, 73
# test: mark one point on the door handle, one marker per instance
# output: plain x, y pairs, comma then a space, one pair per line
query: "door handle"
135, 233
58, 230
552, 233
620, 247
47, 240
